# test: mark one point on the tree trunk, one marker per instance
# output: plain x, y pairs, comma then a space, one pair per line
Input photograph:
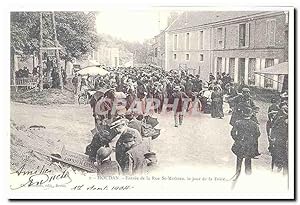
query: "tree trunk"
13, 67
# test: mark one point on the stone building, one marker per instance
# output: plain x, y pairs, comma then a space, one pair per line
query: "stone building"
234, 42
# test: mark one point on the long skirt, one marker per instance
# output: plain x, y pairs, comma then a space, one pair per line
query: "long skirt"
217, 109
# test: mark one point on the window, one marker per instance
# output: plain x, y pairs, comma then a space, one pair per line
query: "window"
155, 52
242, 35
187, 41
175, 41
175, 56
220, 37
201, 57
201, 40
187, 56
271, 28
219, 65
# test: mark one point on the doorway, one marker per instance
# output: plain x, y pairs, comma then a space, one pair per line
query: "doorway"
241, 72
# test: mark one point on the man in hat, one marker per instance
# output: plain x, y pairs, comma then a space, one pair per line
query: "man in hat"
178, 106
105, 166
133, 160
245, 133
120, 127
239, 103
279, 139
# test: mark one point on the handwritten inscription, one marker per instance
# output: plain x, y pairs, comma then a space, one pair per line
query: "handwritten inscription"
41, 177
101, 188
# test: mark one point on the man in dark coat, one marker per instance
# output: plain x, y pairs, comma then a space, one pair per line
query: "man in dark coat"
121, 127
239, 103
134, 161
245, 133
279, 139
178, 106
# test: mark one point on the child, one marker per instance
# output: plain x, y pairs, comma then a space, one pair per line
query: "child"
106, 167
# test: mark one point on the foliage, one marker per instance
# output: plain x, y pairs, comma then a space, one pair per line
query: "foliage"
76, 31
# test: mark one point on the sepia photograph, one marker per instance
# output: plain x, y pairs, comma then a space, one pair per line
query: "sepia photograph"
152, 103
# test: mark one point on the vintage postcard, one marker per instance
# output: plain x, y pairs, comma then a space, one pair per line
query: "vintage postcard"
152, 103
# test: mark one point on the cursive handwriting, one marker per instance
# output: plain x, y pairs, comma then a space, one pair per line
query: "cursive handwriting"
38, 170
41, 176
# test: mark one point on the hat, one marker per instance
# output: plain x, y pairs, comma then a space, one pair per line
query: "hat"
177, 88
103, 152
128, 137
246, 90
117, 122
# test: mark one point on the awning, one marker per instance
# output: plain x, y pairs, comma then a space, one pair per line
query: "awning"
278, 69
93, 70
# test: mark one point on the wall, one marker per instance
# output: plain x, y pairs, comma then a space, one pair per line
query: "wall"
193, 64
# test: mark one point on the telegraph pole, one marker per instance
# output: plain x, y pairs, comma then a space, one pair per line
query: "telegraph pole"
57, 53
41, 54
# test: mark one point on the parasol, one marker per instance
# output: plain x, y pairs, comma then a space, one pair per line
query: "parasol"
93, 70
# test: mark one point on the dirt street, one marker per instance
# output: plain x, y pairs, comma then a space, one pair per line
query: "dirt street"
200, 141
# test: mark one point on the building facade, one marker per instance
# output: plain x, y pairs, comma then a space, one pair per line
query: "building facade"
233, 42
107, 56
159, 49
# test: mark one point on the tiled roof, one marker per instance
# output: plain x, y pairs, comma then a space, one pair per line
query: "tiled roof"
198, 18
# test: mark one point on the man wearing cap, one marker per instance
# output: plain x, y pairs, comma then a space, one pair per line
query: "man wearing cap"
133, 160
239, 103
105, 166
279, 139
245, 133
178, 105
121, 128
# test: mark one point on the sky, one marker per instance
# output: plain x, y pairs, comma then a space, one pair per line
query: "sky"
132, 25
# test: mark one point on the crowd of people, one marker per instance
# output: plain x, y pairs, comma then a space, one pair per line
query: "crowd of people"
130, 130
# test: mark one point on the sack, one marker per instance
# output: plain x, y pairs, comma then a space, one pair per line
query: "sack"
149, 131
151, 121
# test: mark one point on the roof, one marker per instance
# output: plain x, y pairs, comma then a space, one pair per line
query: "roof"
278, 69
198, 18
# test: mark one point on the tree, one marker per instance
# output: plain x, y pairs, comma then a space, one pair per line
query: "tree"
76, 32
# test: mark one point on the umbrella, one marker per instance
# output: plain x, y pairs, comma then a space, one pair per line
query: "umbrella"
93, 70
278, 69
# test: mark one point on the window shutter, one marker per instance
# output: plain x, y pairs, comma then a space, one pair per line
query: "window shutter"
237, 39
272, 33
223, 37
268, 32
247, 36
214, 36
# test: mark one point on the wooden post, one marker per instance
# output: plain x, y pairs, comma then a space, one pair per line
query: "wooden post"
14, 67
40, 53
61, 84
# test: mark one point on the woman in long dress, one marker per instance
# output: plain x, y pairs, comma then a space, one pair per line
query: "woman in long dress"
217, 103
